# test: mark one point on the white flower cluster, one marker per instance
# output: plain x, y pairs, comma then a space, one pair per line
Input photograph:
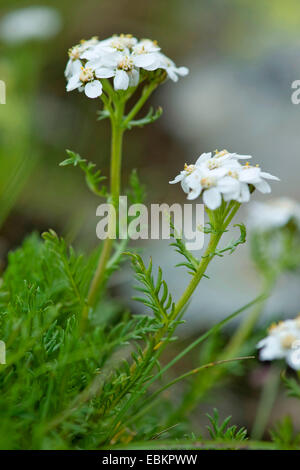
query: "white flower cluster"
222, 176
118, 57
282, 342
274, 214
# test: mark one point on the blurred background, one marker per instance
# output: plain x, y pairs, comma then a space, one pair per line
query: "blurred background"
243, 57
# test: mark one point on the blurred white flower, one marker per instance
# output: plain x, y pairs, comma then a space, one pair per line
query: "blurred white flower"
273, 214
221, 176
24, 24
121, 58
282, 342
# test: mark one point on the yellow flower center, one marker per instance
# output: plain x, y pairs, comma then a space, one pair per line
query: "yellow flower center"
74, 53
86, 74
233, 174
287, 341
189, 168
213, 163
122, 41
207, 182
126, 64
280, 325
220, 154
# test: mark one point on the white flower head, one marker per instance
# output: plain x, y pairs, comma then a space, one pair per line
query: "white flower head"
282, 342
172, 70
84, 80
123, 67
274, 214
222, 177
75, 54
146, 46
25, 24
120, 58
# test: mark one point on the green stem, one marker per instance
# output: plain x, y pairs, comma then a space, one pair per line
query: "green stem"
246, 327
203, 384
147, 91
206, 259
119, 125
156, 346
115, 185
267, 400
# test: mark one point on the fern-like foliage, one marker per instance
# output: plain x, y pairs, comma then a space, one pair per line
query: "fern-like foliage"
191, 263
150, 117
93, 177
157, 296
136, 192
223, 431
292, 386
284, 435
232, 246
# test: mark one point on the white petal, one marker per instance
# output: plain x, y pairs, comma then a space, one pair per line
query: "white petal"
185, 186
194, 179
293, 358
245, 193
269, 176
143, 60
121, 80
73, 68
172, 74
91, 54
194, 193
228, 184
134, 77
231, 196
203, 158
73, 83
68, 69
240, 157
155, 64
263, 187
104, 72
182, 71
93, 89
177, 179
271, 349
218, 172
249, 175
212, 198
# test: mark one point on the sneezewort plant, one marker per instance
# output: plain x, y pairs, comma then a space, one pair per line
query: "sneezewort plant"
114, 70
76, 379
